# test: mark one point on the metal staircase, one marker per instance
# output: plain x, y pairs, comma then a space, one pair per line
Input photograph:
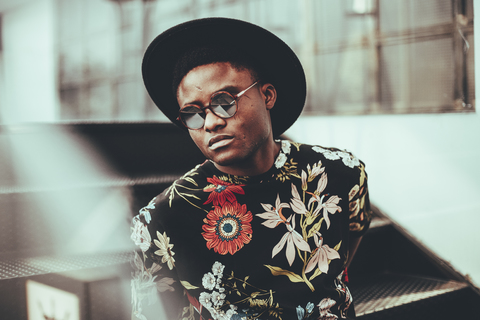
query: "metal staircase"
393, 276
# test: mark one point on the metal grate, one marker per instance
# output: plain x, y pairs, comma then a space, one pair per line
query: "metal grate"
113, 182
388, 291
16, 268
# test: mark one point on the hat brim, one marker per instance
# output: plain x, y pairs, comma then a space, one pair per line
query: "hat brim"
278, 61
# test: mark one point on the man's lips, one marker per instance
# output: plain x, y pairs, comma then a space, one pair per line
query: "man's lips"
219, 141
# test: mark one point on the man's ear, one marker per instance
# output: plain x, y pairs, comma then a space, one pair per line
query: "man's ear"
270, 95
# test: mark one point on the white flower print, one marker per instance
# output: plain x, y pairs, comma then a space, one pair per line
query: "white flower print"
209, 281
317, 236
218, 284
296, 203
151, 204
331, 155
219, 314
218, 298
329, 206
318, 149
229, 314
293, 239
165, 249
322, 184
217, 269
146, 214
309, 307
324, 309
304, 180
165, 284
205, 299
140, 234
301, 312
145, 210
281, 159
273, 215
314, 171
286, 146
144, 286
320, 257
349, 160
215, 313
215, 300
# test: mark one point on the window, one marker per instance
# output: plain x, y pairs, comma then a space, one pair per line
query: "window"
100, 50
392, 56
360, 56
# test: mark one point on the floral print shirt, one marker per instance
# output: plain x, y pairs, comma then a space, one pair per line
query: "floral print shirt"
273, 246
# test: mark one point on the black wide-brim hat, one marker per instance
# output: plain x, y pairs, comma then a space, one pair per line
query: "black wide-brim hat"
279, 64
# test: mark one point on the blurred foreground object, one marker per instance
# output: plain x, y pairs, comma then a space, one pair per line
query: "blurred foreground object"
67, 196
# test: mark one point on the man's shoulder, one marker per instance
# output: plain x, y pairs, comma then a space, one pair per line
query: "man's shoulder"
192, 181
335, 158
183, 190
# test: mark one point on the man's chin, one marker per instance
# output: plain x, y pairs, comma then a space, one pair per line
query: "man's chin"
226, 161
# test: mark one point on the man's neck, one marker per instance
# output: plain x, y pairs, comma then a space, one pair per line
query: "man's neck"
262, 161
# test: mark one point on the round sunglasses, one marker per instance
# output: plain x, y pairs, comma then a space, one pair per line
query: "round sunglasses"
222, 103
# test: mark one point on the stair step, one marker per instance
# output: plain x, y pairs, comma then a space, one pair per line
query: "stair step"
387, 291
26, 267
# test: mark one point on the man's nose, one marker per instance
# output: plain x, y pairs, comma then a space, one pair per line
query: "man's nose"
213, 122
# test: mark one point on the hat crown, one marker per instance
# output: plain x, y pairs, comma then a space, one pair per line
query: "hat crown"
279, 64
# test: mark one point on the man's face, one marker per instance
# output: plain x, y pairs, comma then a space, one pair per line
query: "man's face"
240, 141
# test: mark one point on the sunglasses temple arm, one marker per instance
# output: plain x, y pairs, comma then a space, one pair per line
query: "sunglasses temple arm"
242, 92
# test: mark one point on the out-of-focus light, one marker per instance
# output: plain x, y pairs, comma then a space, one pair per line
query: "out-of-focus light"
66, 200
361, 7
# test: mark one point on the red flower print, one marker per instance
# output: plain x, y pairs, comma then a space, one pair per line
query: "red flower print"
220, 191
227, 228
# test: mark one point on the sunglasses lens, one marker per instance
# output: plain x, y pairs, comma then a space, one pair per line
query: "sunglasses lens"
223, 105
193, 117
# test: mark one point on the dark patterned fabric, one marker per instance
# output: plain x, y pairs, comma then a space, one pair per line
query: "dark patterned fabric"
274, 246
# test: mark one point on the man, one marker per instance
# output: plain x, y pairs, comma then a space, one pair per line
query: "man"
265, 228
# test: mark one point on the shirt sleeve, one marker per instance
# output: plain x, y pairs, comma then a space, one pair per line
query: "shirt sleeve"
359, 205
156, 290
